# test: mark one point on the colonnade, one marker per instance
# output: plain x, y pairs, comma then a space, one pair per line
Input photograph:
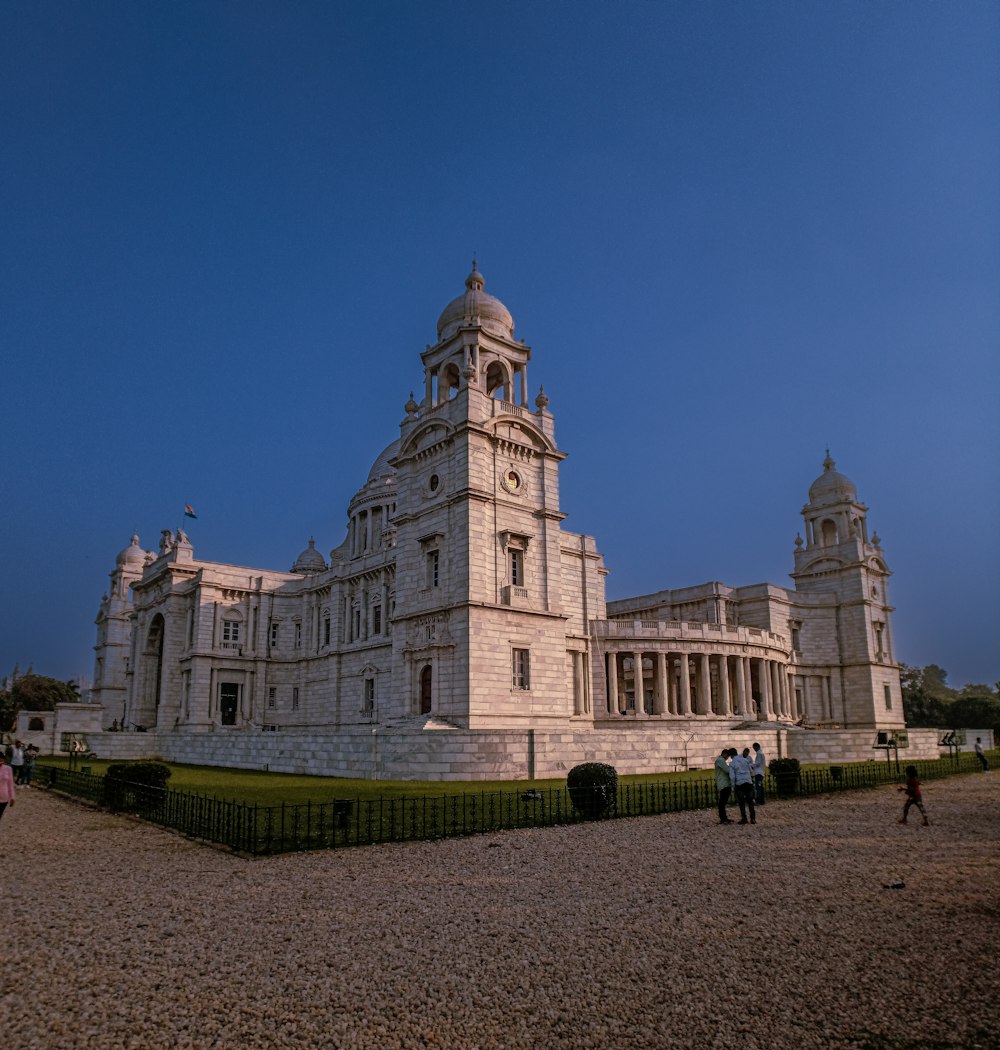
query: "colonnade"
685, 684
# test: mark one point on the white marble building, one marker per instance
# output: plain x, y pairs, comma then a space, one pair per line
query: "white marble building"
460, 631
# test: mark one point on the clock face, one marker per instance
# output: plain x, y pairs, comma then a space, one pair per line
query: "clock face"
512, 481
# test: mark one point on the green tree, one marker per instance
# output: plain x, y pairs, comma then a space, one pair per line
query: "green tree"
927, 699
975, 712
8, 712
38, 692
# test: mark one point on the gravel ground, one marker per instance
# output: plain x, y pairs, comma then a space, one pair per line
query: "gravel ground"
658, 932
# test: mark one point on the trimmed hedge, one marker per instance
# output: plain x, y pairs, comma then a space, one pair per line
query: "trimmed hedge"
786, 772
593, 789
138, 787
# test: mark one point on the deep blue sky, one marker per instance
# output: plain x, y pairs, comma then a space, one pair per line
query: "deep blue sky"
733, 233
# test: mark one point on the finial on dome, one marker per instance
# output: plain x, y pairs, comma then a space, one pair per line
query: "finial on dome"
828, 463
798, 541
475, 282
410, 408
541, 401
876, 540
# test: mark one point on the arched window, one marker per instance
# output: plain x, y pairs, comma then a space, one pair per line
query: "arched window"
497, 382
448, 382
425, 690
36, 725
828, 533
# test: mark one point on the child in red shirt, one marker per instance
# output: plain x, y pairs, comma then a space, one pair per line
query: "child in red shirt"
913, 796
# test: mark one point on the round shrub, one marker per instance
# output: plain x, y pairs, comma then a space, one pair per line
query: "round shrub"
593, 789
135, 786
785, 772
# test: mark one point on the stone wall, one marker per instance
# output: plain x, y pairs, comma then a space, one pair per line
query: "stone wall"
442, 753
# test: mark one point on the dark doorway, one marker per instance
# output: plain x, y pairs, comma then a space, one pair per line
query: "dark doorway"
229, 698
425, 690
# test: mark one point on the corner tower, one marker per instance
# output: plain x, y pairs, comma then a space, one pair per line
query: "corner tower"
842, 578
114, 631
480, 630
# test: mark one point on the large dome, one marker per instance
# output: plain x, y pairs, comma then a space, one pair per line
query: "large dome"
381, 468
832, 487
475, 306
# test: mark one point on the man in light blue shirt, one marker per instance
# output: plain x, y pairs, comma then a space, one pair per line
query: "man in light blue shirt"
759, 767
743, 779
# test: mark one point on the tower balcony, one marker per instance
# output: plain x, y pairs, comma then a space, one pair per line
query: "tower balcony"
515, 596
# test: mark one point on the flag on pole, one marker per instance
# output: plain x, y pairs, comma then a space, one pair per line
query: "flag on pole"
189, 511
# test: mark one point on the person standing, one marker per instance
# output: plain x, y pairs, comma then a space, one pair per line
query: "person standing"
30, 754
17, 761
743, 780
7, 792
759, 766
723, 784
981, 755
913, 795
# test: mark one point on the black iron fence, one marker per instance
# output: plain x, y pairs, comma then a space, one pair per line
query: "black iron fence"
256, 829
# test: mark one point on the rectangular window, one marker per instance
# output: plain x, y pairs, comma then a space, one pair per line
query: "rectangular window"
356, 625
517, 568
274, 635
230, 631
433, 568
295, 698
888, 698
326, 630
272, 697
229, 702
298, 636
796, 644
521, 676
377, 619
369, 695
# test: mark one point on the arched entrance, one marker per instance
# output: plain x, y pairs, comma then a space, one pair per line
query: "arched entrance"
151, 675
425, 690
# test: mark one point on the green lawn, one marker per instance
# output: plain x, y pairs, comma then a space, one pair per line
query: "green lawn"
269, 789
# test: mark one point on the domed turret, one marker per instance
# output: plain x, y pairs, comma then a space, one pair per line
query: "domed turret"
832, 487
133, 556
310, 560
475, 307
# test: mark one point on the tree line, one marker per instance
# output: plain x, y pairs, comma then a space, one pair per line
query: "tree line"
930, 703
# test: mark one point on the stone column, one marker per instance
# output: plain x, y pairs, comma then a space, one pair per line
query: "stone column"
640, 689
577, 685
741, 688
685, 684
724, 702
776, 688
670, 695
765, 690
660, 689
524, 385
612, 665
704, 697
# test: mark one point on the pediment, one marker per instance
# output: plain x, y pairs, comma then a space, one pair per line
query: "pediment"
824, 565
518, 431
433, 432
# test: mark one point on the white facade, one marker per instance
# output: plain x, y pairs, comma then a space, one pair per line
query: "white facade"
457, 603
